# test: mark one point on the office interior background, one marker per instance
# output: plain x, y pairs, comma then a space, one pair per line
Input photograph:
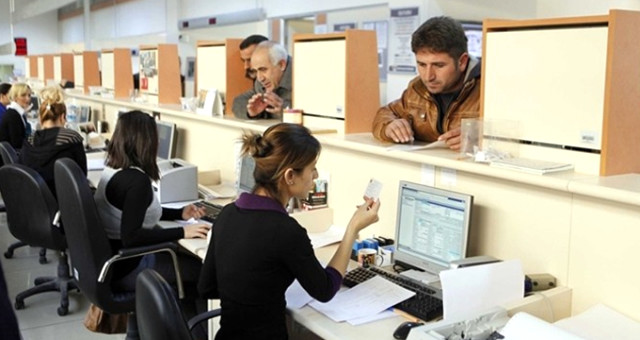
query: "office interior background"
55, 26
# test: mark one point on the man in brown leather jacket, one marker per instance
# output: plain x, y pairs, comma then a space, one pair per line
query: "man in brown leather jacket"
446, 90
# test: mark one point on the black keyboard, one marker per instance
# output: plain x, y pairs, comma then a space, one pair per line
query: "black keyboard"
212, 210
424, 305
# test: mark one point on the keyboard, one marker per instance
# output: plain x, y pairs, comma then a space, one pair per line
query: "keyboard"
211, 210
424, 305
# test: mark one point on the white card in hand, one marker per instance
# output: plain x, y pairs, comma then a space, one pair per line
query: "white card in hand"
373, 189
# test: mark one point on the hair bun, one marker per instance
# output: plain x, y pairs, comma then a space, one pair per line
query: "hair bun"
262, 146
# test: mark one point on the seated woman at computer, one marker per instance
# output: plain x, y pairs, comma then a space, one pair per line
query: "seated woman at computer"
14, 127
130, 210
257, 250
53, 141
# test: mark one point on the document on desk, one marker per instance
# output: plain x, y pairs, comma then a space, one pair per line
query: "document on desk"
95, 164
366, 299
414, 146
332, 235
601, 323
296, 296
472, 290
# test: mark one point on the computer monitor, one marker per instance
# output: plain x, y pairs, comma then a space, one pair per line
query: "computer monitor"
84, 114
473, 31
35, 103
432, 227
167, 135
246, 181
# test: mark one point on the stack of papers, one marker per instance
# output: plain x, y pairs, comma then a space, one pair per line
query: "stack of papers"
533, 166
416, 145
332, 235
364, 302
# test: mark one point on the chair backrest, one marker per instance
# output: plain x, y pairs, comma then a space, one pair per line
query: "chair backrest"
8, 153
89, 246
30, 207
157, 310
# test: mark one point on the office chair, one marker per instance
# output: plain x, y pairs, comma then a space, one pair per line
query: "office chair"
158, 311
91, 255
30, 212
9, 156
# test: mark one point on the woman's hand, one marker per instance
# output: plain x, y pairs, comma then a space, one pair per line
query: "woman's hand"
365, 215
192, 211
196, 230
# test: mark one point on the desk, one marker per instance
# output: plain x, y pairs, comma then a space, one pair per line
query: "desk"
571, 225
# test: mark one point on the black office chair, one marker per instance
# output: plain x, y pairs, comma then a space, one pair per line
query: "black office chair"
9, 156
90, 252
158, 311
30, 212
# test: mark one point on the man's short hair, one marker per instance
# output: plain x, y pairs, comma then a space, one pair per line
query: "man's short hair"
276, 51
252, 40
440, 34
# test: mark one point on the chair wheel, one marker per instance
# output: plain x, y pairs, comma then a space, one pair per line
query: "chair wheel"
8, 255
62, 311
19, 305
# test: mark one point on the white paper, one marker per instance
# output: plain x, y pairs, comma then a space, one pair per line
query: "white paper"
368, 298
371, 318
296, 296
413, 146
523, 326
95, 164
601, 323
373, 189
332, 235
472, 290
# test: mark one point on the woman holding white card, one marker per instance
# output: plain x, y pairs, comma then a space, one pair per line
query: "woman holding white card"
257, 250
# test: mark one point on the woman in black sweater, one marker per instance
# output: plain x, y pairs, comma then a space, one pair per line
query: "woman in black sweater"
257, 250
53, 142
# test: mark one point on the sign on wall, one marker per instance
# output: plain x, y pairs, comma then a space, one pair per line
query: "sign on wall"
404, 21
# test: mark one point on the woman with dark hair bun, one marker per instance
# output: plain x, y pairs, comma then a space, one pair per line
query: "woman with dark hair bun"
257, 249
130, 211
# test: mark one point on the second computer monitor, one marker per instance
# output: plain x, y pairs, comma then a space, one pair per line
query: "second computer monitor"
167, 136
246, 181
432, 227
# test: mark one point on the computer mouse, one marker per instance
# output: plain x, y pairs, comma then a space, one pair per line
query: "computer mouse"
402, 332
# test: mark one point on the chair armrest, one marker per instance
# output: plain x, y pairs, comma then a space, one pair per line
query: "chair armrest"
203, 317
148, 249
127, 253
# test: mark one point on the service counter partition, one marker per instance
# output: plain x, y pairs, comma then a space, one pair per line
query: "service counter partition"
581, 228
570, 84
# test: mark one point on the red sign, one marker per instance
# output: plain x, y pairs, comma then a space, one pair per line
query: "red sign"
21, 46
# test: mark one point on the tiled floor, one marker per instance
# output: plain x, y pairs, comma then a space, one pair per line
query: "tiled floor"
39, 319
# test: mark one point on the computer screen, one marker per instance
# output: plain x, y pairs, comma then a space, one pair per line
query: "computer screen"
246, 181
84, 114
432, 227
35, 103
473, 31
167, 135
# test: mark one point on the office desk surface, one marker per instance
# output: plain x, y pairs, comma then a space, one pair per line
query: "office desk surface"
570, 224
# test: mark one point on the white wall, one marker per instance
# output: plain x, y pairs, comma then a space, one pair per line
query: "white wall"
40, 37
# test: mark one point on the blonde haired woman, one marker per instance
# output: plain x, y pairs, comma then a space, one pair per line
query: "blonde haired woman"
53, 141
14, 127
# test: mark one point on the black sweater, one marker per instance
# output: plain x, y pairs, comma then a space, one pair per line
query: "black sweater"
254, 255
50, 145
